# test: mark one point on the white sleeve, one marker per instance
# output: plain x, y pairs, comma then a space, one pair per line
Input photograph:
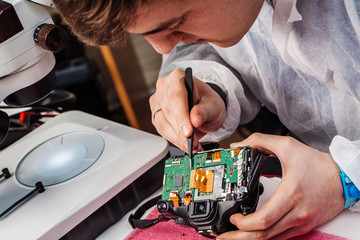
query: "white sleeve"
346, 154
208, 66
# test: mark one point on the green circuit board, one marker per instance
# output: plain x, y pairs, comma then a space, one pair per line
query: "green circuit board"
213, 174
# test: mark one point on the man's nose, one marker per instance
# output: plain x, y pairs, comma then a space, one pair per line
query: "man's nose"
164, 44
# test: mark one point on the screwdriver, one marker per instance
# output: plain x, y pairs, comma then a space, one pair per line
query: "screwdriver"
189, 88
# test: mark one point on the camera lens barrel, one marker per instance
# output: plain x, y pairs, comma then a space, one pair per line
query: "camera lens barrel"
200, 208
202, 211
163, 206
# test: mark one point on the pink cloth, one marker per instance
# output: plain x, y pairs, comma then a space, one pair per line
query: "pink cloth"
171, 231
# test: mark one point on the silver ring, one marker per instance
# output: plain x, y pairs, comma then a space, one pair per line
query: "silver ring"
156, 113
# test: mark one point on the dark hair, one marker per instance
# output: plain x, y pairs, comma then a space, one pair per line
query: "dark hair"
99, 22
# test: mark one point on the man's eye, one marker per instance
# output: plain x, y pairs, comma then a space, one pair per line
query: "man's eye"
177, 23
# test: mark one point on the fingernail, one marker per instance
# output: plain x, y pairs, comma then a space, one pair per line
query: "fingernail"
186, 130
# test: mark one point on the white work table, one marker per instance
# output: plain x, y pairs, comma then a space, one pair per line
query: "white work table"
345, 225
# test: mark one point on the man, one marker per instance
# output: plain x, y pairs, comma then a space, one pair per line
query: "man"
301, 59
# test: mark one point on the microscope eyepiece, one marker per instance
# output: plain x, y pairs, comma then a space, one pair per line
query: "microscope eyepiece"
50, 37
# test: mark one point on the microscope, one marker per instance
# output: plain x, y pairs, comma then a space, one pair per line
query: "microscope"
93, 170
28, 37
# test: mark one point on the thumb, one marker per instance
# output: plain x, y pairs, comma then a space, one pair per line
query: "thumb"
207, 117
264, 143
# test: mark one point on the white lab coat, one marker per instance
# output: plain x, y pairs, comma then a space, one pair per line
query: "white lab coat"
302, 61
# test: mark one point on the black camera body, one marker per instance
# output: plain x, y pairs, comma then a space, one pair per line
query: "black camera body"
218, 184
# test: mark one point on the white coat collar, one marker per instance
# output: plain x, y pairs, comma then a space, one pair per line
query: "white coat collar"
285, 10
285, 13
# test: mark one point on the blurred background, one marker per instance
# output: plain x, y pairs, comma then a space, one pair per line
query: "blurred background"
82, 70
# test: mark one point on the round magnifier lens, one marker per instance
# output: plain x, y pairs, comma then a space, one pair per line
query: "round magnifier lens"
60, 158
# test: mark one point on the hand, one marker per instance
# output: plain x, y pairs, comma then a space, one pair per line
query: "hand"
174, 122
310, 193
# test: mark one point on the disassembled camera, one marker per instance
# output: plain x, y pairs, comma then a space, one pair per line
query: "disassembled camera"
218, 184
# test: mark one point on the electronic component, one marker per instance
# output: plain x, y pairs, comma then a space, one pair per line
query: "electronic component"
215, 174
220, 183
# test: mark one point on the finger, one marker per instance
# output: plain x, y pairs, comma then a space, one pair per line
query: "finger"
289, 226
257, 141
164, 128
298, 221
267, 143
196, 144
290, 221
198, 148
197, 118
206, 117
154, 102
177, 110
209, 112
271, 212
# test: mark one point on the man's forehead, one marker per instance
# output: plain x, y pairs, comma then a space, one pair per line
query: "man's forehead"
162, 26
153, 18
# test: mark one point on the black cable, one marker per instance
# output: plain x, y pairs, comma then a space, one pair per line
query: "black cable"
39, 188
5, 173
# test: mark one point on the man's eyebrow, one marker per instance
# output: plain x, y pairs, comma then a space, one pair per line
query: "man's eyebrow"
162, 26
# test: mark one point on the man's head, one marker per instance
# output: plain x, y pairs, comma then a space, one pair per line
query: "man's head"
163, 23
99, 22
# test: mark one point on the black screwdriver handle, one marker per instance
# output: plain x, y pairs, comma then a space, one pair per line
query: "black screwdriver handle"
189, 89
